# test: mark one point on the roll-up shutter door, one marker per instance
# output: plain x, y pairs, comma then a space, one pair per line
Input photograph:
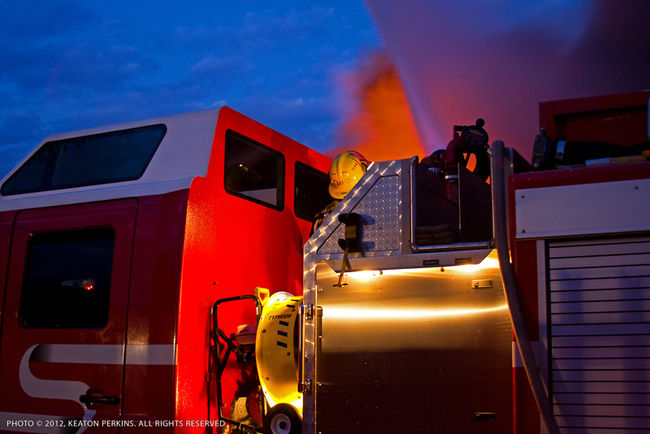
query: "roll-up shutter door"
599, 316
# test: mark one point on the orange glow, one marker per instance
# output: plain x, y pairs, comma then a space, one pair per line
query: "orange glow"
382, 128
491, 261
405, 314
365, 275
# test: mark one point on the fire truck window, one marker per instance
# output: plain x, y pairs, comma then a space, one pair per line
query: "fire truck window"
253, 171
87, 160
311, 191
67, 279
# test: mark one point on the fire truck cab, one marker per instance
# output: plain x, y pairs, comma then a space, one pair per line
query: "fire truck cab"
115, 242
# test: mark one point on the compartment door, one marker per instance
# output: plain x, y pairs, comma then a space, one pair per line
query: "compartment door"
63, 335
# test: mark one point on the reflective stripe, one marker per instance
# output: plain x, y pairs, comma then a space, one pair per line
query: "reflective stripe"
51, 389
72, 390
77, 353
150, 354
104, 354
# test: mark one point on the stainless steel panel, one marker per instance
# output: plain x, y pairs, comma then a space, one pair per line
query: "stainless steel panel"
414, 350
388, 207
381, 198
380, 213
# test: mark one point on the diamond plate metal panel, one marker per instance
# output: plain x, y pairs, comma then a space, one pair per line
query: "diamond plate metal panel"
380, 213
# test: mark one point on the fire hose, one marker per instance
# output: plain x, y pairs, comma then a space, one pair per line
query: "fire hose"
510, 288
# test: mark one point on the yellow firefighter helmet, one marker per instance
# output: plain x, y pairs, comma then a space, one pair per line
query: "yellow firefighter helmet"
276, 348
346, 170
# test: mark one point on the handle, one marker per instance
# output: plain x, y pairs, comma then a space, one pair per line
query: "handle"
301, 323
483, 416
90, 399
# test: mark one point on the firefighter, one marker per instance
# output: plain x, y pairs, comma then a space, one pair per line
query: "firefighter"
346, 170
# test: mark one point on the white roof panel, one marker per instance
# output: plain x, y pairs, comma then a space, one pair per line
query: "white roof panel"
183, 154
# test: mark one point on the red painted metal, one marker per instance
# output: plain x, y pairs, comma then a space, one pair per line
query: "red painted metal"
621, 119
231, 246
17, 340
579, 175
175, 254
6, 231
524, 261
153, 303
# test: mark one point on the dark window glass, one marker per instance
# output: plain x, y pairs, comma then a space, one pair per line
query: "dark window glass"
68, 279
253, 171
88, 160
311, 192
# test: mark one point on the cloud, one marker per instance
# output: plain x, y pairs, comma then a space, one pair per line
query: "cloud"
19, 133
210, 66
22, 19
98, 69
15, 126
67, 65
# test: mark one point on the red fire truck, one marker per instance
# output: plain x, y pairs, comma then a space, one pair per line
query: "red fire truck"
116, 241
126, 282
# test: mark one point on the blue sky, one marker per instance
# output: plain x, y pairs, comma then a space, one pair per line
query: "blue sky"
67, 65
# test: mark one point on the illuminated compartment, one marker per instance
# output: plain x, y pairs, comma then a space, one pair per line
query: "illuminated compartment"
413, 341
413, 350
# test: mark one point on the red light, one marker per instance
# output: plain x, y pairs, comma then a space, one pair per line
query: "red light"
88, 284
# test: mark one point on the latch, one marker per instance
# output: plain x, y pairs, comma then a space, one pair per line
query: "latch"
307, 310
352, 241
305, 387
481, 283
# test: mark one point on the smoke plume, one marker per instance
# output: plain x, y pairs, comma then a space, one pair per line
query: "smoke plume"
381, 125
462, 60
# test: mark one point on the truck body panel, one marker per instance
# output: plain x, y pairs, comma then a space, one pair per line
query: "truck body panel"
413, 337
157, 250
579, 247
